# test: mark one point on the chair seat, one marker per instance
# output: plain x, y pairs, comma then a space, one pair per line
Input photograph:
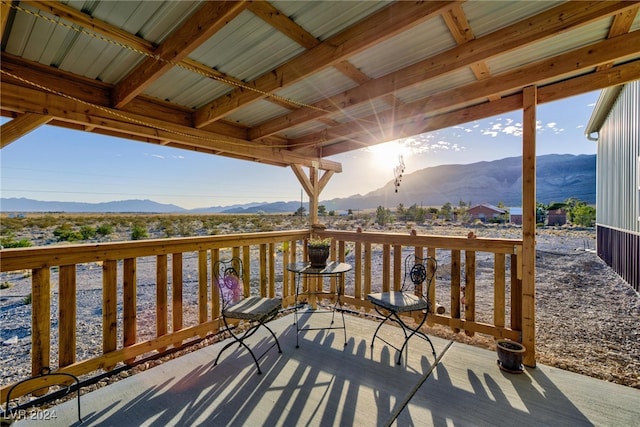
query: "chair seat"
398, 301
253, 308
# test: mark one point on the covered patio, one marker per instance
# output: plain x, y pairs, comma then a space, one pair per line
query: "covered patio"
291, 84
324, 383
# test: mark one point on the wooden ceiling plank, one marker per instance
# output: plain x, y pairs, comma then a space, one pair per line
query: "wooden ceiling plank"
21, 126
561, 18
583, 58
375, 29
197, 29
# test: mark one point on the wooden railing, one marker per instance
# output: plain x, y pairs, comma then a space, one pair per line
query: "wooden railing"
265, 256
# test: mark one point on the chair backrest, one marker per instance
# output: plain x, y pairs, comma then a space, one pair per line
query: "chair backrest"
419, 271
227, 274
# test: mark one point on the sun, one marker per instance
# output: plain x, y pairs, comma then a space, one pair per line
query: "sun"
385, 157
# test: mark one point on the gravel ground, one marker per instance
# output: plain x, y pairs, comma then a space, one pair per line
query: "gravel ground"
587, 317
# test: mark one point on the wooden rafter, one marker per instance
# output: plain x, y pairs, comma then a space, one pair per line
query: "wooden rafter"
375, 29
208, 20
32, 100
20, 126
561, 18
602, 79
584, 58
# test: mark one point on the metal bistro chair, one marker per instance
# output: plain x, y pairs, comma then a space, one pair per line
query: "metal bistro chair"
391, 304
253, 309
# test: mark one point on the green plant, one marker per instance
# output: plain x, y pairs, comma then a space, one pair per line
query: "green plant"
6, 285
319, 243
138, 232
27, 300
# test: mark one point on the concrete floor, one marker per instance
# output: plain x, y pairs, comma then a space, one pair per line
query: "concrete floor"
324, 383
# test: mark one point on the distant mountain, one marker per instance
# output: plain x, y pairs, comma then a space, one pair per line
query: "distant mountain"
559, 177
124, 206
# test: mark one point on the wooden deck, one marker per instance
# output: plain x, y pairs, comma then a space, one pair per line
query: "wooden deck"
324, 383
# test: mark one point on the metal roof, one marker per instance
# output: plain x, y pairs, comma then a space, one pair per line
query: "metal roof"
295, 82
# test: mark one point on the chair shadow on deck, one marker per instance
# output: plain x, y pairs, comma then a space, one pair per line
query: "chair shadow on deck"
325, 383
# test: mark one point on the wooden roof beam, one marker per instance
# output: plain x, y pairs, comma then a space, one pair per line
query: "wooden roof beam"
205, 22
584, 58
381, 26
561, 18
20, 126
135, 126
601, 79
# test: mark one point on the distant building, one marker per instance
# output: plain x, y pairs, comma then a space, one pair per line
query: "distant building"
515, 216
614, 124
557, 217
486, 212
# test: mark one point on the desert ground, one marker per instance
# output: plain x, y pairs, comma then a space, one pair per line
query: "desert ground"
587, 317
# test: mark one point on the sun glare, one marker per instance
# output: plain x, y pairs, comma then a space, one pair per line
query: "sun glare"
385, 157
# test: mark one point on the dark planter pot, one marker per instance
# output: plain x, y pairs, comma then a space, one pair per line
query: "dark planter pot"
318, 256
510, 354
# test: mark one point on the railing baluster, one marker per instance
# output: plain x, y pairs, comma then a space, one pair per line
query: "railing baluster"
499, 271
161, 297
272, 270
176, 294
397, 267
41, 322
129, 304
203, 285
67, 315
455, 286
470, 289
109, 307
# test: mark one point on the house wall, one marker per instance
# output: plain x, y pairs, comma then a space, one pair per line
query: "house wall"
483, 213
618, 186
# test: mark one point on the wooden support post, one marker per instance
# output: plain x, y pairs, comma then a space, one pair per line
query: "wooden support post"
530, 95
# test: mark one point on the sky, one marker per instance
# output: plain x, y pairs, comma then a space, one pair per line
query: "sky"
55, 164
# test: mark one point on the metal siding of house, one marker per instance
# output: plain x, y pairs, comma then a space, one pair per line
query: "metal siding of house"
617, 186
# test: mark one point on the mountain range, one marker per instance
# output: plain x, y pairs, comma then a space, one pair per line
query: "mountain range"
559, 177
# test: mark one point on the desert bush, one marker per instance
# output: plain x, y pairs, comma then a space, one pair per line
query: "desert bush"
139, 232
104, 229
66, 233
6, 285
10, 242
87, 232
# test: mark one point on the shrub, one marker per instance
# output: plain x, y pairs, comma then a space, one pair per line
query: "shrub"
10, 242
104, 229
66, 233
138, 232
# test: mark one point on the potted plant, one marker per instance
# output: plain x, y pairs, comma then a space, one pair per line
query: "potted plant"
318, 250
510, 354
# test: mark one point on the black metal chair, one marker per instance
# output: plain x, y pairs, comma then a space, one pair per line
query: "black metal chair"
390, 305
257, 311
